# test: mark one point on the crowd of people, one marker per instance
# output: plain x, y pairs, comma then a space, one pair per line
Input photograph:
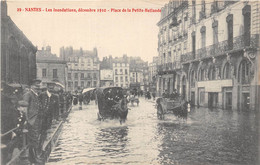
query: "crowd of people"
28, 112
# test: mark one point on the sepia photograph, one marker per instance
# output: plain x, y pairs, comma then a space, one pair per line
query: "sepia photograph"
138, 82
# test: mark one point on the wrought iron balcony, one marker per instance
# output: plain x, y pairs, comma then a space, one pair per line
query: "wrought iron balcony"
239, 43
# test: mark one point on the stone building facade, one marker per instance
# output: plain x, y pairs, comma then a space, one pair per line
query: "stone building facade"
172, 42
51, 68
153, 74
18, 54
83, 68
220, 69
121, 72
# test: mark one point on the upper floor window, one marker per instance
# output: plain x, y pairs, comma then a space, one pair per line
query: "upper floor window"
69, 76
247, 24
82, 75
229, 21
126, 71
76, 75
203, 36
215, 32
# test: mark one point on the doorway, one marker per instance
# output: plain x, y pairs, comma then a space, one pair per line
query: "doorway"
245, 101
213, 100
228, 100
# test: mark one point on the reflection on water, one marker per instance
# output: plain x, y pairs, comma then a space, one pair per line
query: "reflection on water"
207, 137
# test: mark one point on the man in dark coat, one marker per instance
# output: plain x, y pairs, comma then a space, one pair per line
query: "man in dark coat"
34, 120
50, 108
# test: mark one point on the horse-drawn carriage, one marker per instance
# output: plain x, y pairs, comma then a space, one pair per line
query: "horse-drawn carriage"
112, 103
177, 106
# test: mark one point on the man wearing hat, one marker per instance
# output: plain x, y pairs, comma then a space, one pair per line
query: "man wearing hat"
34, 120
50, 109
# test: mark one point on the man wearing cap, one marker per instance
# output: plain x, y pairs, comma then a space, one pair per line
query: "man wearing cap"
34, 120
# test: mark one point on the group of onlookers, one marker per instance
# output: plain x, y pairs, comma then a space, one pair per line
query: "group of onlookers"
29, 112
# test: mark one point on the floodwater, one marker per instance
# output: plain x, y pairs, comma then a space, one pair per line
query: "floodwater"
207, 137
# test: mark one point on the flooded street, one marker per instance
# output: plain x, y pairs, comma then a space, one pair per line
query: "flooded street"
207, 137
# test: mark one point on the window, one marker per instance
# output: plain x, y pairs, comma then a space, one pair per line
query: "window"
69, 76
164, 58
212, 73
247, 24
126, 71
193, 44
215, 32
126, 78
82, 75
69, 84
116, 79
244, 72
94, 75
201, 75
121, 71
76, 75
76, 84
185, 45
55, 73
227, 71
82, 84
115, 71
82, 64
192, 78
89, 84
169, 57
229, 20
121, 79
44, 72
89, 75
203, 36
76, 64
95, 83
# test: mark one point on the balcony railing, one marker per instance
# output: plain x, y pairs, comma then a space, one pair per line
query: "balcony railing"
220, 48
169, 66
